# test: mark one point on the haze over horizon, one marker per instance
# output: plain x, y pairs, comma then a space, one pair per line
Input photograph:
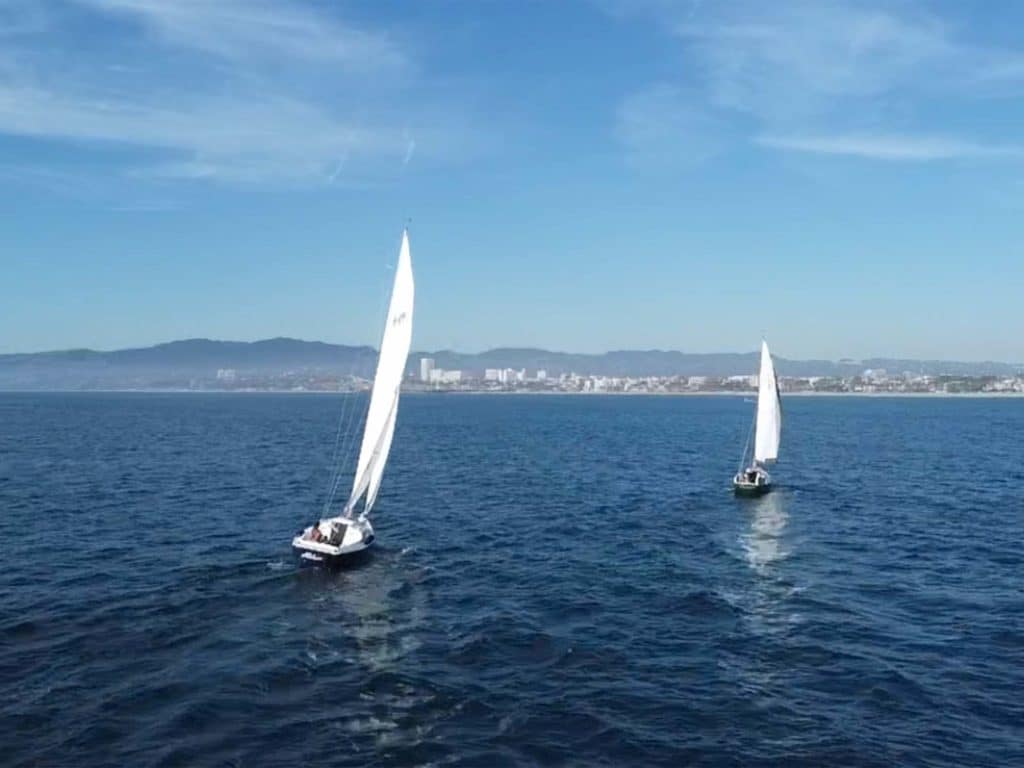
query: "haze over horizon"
471, 352
842, 177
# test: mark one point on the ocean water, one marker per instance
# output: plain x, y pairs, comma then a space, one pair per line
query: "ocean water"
556, 581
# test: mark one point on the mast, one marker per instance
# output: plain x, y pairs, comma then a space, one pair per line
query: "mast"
387, 382
746, 446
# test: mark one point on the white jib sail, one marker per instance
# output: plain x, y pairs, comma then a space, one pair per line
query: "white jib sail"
769, 411
383, 411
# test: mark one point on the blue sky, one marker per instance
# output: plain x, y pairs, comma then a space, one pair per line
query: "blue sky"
846, 178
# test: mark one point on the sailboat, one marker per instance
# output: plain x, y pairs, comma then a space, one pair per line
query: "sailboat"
753, 478
333, 538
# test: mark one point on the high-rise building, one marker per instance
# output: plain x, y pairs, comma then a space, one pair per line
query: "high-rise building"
426, 366
441, 376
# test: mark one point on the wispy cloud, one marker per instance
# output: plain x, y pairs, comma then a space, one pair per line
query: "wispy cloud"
795, 60
835, 76
240, 91
912, 148
237, 29
146, 206
661, 128
231, 139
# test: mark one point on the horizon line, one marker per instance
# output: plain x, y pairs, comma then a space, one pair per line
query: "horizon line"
425, 352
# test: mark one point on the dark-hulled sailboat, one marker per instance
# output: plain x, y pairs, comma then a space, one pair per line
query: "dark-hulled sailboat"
753, 477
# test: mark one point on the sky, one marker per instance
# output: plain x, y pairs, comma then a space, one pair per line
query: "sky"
843, 178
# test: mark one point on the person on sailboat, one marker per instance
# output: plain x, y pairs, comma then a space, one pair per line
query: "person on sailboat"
336, 534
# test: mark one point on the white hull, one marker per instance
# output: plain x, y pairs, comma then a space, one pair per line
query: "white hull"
338, 537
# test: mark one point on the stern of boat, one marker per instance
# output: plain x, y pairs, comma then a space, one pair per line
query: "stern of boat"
743, 485
333, 541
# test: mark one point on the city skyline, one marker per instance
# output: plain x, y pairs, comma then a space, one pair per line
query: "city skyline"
283, 365
843, 178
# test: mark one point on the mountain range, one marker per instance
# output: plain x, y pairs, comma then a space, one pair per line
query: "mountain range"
177, 363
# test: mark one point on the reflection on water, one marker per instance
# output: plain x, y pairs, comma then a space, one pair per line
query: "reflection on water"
769, 613
372, 616
763, 543
380, 606
712, 630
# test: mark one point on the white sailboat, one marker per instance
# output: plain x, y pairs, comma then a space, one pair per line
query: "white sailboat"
332, 538
753, 477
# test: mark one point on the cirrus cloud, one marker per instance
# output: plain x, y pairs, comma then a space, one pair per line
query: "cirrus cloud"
253, 91
840, 77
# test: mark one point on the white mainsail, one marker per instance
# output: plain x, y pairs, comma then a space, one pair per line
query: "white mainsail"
377, 471
383, 411
769, 411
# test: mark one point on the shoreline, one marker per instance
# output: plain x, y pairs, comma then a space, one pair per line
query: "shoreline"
516, 393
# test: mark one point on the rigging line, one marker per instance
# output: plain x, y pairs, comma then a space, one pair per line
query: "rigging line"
746, 445
334, 453
344, 424
344, 439
382, 309
351, 423
351, 429
342, 418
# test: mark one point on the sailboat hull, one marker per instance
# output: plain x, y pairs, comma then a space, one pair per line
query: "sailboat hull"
753, 481
309, 559
767, 431
357, 536
744, 488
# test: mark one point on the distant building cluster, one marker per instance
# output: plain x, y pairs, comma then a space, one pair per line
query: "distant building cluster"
430, 374
505, 375
875, 380
432, 378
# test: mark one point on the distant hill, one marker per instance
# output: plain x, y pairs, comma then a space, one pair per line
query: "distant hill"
176, 363
180, 363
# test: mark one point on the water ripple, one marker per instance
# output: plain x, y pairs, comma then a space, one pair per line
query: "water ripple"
557, 581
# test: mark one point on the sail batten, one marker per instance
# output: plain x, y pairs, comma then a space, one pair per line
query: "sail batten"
387, 382
768, 429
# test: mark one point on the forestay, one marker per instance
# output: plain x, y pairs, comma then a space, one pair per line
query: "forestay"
383, 410
769, 411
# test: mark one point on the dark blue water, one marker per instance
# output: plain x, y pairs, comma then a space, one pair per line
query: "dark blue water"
557, 580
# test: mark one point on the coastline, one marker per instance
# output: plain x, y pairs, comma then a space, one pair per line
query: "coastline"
522, 393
